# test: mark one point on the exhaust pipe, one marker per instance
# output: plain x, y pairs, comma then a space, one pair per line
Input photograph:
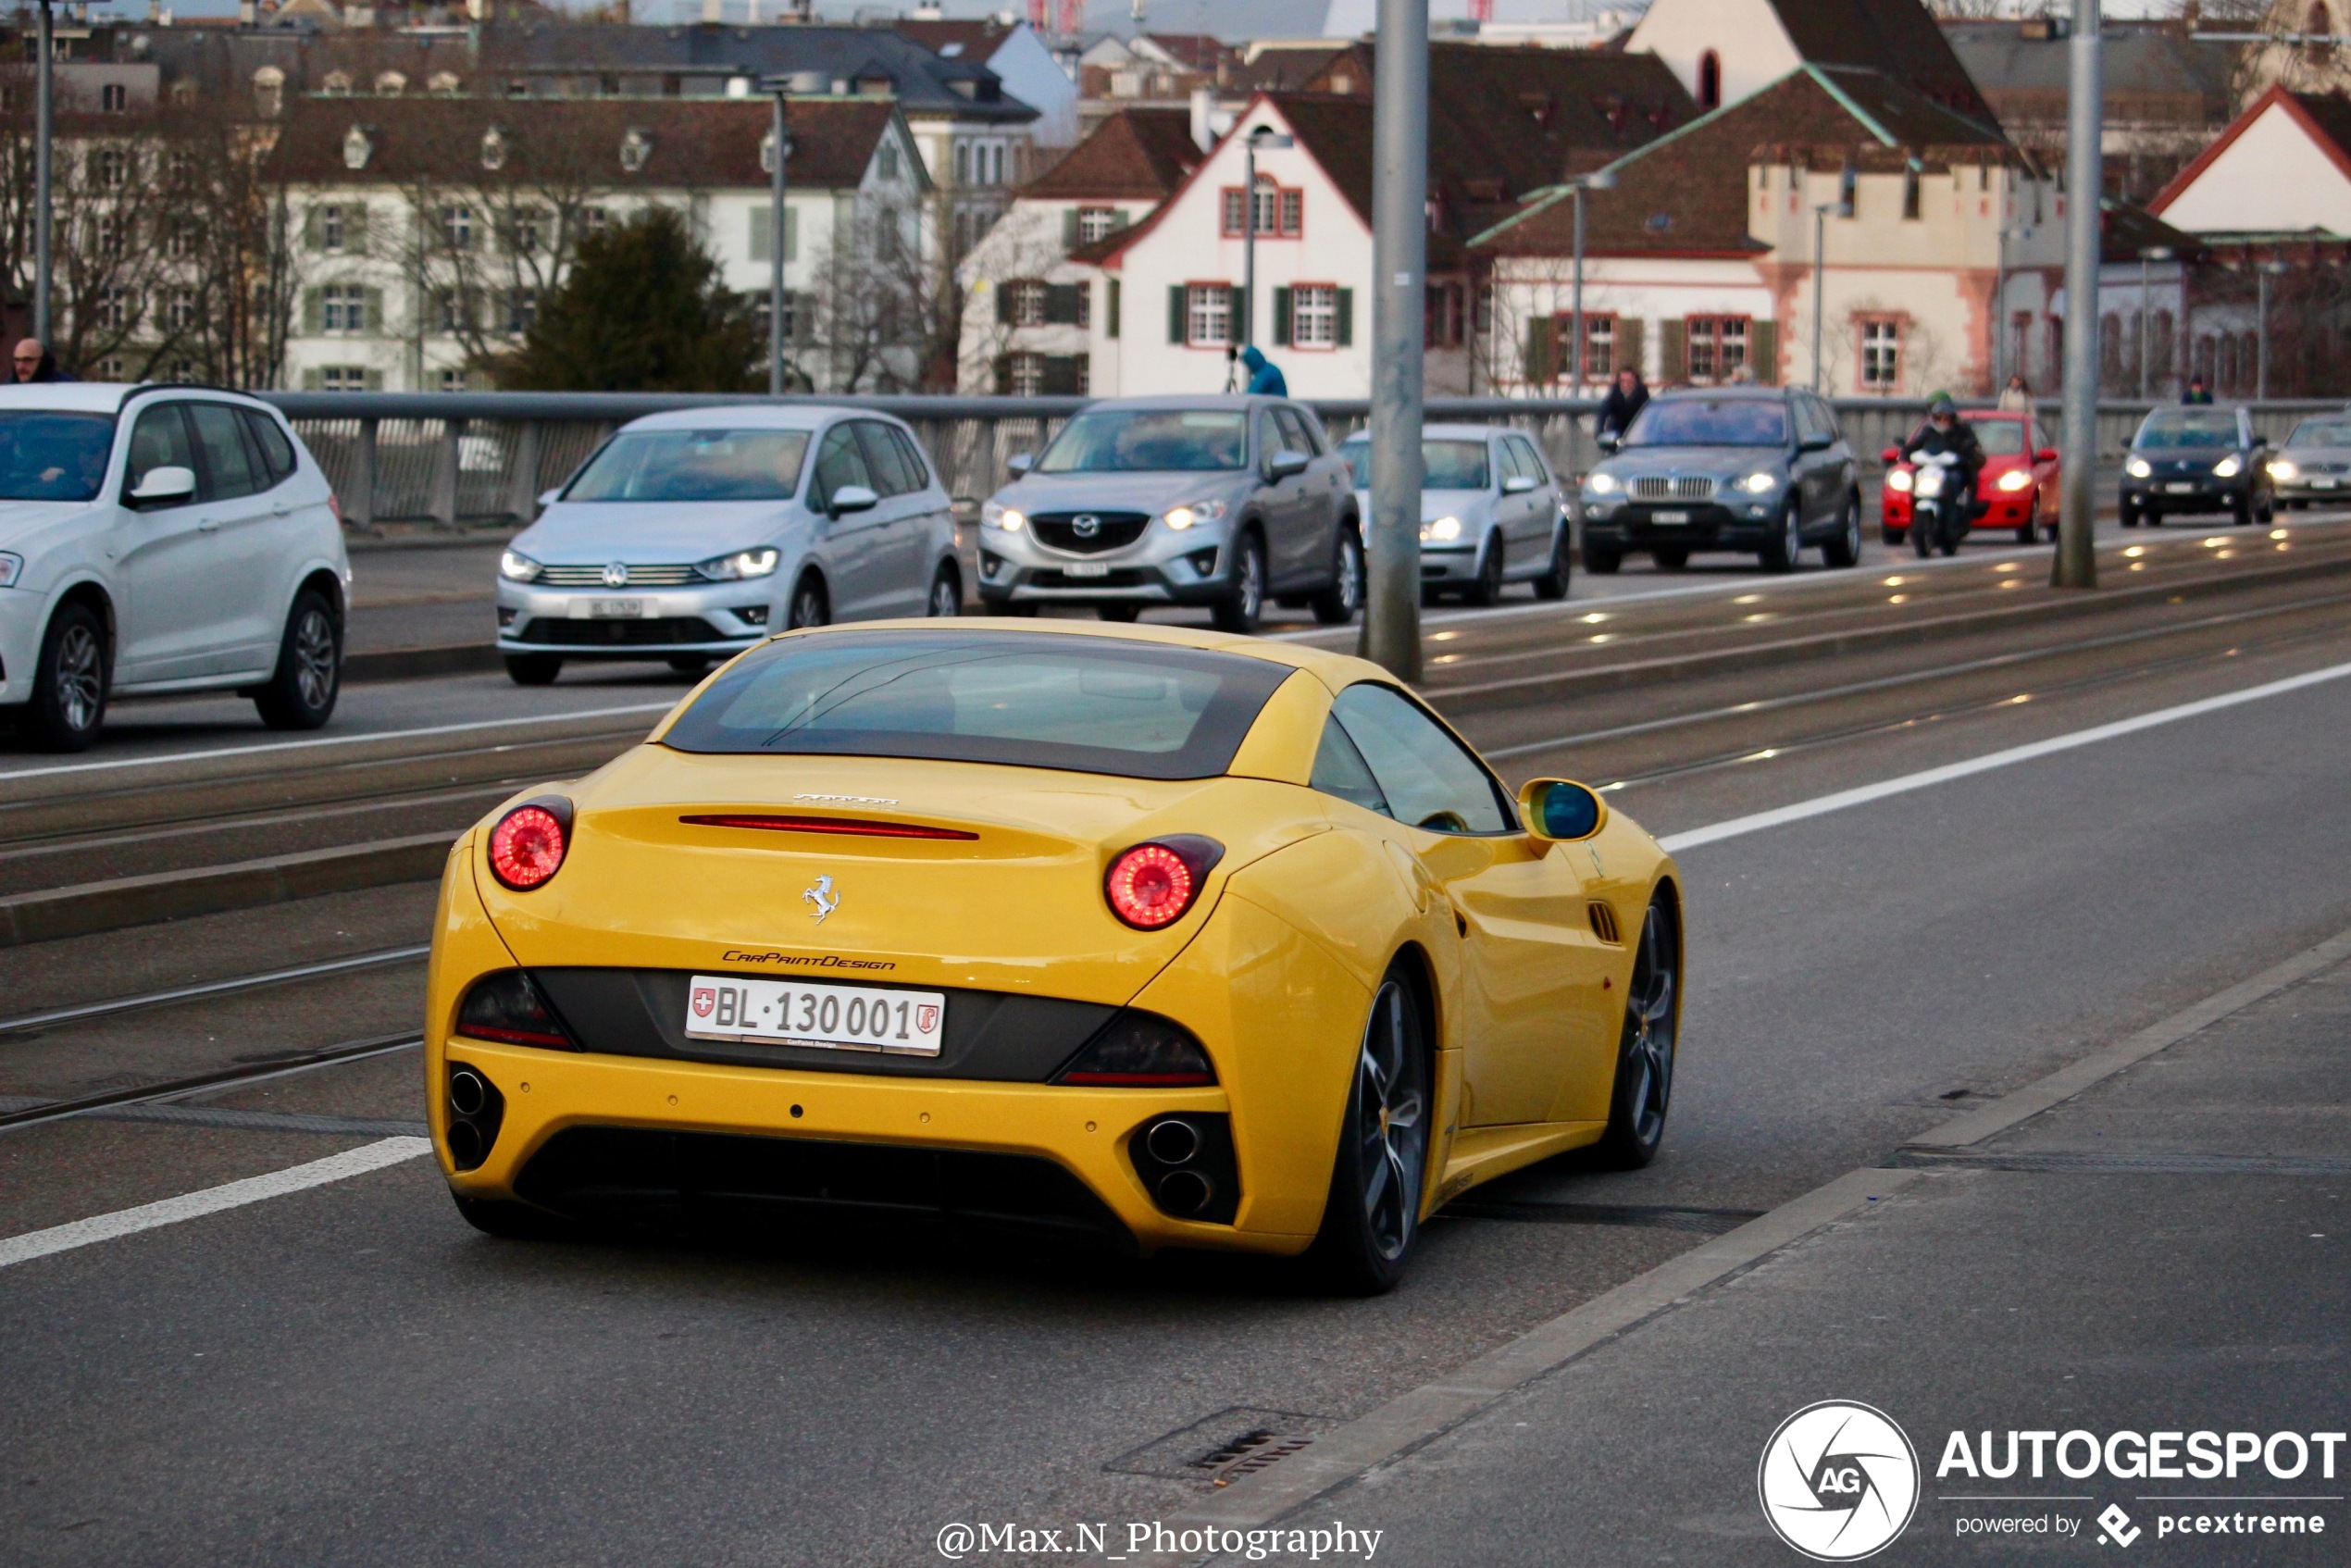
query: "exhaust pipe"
1172, 1141
1185, 1192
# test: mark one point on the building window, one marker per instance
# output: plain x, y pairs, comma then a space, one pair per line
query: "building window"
343, 307
457, 228
888, 162
114, 98
452, 380
330, 228
962, 163
110, 168
180, 310
1445, 315
114, 367
530, 232
454, 316
1313, 318
594, 218
342, 377
1208, 315
1024, 303
113, 309
1600, 345
1717, 347
1096, 223
522, 309
1281, 212
1710, 81
1910, 194
1881, 356
1027, 379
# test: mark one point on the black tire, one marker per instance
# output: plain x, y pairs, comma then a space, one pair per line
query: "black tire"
1780, 554
2269, 512
1372, 1218
695, 664
2032, 529
513, 1222
1890, 536
2130, 515
1921, 539
1118, 614
1553, 584
1485, 589
1337, 604
534, 670
1602, 559
1671, 557
302, 689
946, 593
1845, 550
1243, 605
809, 606
70, 684
1644, 1086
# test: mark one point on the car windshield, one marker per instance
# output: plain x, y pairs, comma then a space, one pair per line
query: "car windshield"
717, 464
1446, 464
1121, 440
1698, 421
1088, 704
2000, 438
54, 457
2320, 432
2189, 427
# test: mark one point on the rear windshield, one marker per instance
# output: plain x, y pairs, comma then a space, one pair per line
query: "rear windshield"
1444, 465
1031, 700
2189, 428
47, 456
2320, 432
1691, 421
1114, 440
716, 465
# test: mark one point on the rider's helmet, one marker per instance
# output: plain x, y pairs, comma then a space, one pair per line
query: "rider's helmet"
1942, 408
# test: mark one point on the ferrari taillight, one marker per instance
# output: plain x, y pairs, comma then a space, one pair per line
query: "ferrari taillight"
1152, 885
504, 1006
528, 845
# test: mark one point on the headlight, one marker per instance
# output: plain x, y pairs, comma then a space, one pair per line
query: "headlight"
1442, 527
1600, 484
517, 568
741, 565
2280, 470
1182, 518
2016, 479
1899, 481
995, 515
2227, 468
1759, 483
2139, 469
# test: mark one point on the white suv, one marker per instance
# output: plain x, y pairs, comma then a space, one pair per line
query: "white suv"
157, 538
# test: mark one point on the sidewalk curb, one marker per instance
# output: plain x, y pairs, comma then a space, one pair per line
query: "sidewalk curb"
89, 907
420, 664
1412, 1420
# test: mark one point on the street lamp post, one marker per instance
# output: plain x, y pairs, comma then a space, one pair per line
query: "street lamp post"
1265, 140
2262, 274
2076, 565
778, 226
1399, 258
1599, 179
2146, 285
1843, 209
43, 134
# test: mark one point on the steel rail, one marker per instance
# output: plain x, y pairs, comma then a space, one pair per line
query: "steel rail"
26, 1022
231, 1077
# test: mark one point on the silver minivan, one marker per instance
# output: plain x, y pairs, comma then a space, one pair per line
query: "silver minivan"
689, 536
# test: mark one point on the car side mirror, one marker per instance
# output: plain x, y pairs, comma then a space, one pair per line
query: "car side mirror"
1559, 811
1609, 442
2046, 455
852, 498
1286, 465
1891, 455
165, 486
1815, 443
1518, 484
1019, 463
549, 497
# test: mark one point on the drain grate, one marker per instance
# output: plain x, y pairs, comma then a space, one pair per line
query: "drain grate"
1221, 1448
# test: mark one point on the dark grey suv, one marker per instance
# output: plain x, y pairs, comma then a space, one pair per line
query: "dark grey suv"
1750, 468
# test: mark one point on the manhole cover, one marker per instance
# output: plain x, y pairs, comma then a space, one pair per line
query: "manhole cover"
1232, 1442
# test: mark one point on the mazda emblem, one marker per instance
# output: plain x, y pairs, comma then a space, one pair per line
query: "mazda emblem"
617, 575
1084, 525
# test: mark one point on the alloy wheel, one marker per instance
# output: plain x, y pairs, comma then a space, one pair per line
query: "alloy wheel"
313, 658
1650, 1028
79, 677
1391, 1129
946, 599
1349, 588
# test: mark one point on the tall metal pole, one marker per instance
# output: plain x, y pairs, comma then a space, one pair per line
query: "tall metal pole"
2147, 284
1820, 282
1248, 242
1577, 345
44, 132
1400, 250
777, 227
2077, 563
2261, 339
2000, 313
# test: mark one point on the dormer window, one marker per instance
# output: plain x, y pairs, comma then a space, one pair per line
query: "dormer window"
358, 148
337, 84
391, 83
443, 82
494, 148
636, 146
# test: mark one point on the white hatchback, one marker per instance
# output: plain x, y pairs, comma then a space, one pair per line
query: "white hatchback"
161, 539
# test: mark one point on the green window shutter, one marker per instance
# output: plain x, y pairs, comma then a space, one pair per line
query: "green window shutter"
1281, 317
1763, 350
1069, 230
1121, 219
372, 319
1061, 375
1541, 338
1175, 313
314, 229
762, 221
1110, 309
1004, 375
1630, 354
1674, 345
1003, 304
1061, 305
355, 231
311, 379
314, 312
803, 316
1237, 301
375, 380
1346, 318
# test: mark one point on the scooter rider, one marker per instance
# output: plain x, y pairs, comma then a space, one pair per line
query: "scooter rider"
1945, 431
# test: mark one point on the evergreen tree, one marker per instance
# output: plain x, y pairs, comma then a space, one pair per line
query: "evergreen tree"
642, 309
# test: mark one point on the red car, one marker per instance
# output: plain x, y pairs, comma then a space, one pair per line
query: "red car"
2019, 485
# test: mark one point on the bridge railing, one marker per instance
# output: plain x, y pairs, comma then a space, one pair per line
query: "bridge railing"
468, 460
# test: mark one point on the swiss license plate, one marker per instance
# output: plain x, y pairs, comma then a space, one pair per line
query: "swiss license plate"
835, 1017
1669, 516
2324, 484
1086, 568
2181, 489
612, 609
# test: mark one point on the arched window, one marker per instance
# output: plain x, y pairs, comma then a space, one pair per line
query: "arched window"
2161, 349
1710, 81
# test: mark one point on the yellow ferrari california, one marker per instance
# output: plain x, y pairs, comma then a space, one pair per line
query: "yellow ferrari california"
1166, 938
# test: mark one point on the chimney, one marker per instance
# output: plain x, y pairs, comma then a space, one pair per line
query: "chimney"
714, 11
248, 14
1204, 106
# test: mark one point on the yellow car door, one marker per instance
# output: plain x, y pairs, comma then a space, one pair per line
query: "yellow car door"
1532, 968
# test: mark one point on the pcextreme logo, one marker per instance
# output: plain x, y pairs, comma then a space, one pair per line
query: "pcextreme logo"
1838, 1481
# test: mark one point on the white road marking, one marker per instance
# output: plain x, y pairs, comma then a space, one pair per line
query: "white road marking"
270, 749
211, 1200
1820, 805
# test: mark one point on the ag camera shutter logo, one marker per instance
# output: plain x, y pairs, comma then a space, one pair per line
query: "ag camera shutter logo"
1838, 1481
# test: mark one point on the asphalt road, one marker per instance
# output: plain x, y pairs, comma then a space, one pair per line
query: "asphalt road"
348, 1374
